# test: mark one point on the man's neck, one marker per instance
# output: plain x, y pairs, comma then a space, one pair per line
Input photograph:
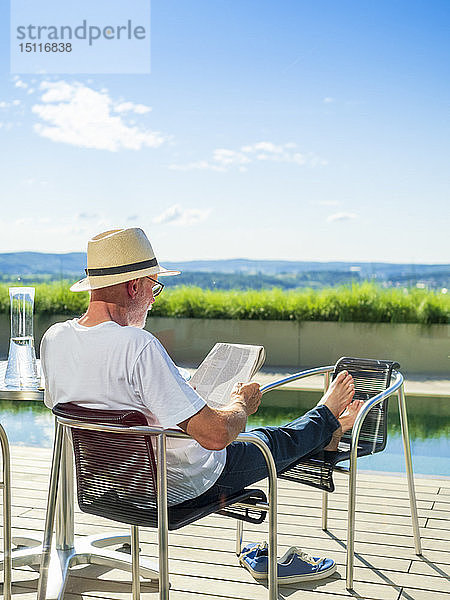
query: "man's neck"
100, 312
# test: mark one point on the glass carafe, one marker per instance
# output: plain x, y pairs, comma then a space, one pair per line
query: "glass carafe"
21, 372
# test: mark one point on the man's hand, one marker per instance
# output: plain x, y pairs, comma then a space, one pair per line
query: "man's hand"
216, 428
249, 395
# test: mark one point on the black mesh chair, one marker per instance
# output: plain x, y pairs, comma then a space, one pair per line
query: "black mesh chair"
373, 384
120, 477
370, 377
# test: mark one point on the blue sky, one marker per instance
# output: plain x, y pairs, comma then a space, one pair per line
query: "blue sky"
301, 130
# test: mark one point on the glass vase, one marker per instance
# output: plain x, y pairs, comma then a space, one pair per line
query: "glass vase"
21, 372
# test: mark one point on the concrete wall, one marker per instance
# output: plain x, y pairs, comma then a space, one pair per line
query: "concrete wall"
189, 340
418, 348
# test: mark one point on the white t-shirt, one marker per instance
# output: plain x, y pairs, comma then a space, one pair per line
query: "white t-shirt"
113, 367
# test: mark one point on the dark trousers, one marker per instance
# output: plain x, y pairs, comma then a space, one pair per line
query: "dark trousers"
246, 465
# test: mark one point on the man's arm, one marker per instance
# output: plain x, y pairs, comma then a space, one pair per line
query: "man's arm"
213, 428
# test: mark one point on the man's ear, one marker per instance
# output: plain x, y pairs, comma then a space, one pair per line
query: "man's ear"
132, 287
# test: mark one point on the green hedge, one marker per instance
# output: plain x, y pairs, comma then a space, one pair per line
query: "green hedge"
50, 299
359, 303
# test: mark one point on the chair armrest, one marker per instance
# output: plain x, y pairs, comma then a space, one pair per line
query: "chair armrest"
109, 428
369, 404
242, 437
300, 375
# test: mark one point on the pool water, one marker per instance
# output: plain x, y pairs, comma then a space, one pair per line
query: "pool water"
428, 421
31, 424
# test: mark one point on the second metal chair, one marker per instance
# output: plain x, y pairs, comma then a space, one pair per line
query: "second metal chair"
373, 385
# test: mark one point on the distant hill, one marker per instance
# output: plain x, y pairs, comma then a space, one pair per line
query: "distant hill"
238, 272
39, 263
274, 267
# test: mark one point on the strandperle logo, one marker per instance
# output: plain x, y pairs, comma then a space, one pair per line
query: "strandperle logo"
104, 36
84, 31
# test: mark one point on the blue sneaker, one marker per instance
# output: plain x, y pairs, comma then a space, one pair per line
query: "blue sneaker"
293, 567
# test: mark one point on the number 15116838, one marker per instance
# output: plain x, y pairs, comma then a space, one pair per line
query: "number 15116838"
48, 47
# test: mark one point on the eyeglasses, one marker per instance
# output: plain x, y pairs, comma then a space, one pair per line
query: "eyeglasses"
157, 288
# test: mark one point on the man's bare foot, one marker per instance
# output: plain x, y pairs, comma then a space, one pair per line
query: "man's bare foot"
339, 394
348, 417
333, 444
346, 421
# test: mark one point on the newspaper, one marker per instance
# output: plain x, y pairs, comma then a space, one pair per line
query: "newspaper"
225, 365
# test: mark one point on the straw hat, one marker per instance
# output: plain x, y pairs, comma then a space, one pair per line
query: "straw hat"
117, 256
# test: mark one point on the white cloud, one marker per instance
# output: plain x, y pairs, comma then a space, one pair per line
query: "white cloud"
341, 216
81, 116
57, 92
139, 109
224, 159
197, 165
328, 100
9, 104
32, 181
176, 215
265, 147
21, 84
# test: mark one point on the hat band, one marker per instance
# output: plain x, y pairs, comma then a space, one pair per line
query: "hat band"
145, 264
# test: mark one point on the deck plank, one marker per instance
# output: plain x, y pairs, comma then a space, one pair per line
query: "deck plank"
203, 564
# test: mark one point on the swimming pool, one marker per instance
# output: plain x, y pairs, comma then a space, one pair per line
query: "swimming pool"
429, 430
31, 424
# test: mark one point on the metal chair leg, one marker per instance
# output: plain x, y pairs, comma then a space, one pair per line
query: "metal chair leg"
324, 511
273, 530
272, 495
409, 469
135, 577
273, 565
351, 521
326, 385
50, 513
7, 540
64, 518
163, 519
239, 536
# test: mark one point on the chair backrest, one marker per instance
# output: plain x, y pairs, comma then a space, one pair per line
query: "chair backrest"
371, 376
116, 473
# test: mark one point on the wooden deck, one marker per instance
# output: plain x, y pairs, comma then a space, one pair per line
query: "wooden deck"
202, 560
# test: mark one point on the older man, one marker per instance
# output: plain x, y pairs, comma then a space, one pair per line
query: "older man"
106, 360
